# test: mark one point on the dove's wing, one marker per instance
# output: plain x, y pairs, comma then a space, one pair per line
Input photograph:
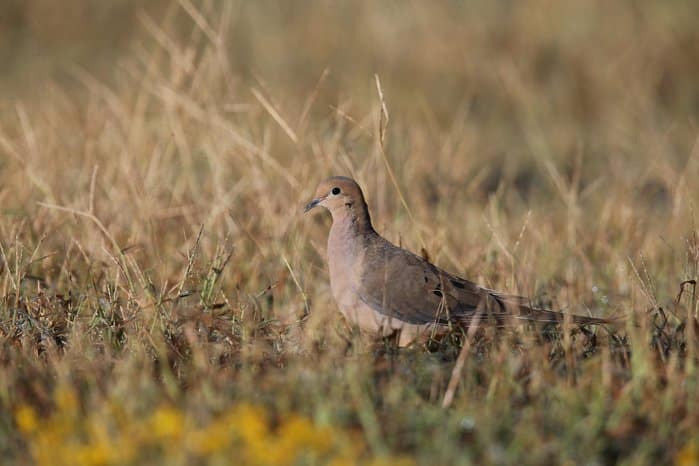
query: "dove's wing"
401, 285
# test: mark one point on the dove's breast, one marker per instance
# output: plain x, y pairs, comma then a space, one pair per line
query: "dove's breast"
347, 260
344, 263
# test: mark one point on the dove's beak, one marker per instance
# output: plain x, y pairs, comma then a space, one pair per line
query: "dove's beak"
311, 205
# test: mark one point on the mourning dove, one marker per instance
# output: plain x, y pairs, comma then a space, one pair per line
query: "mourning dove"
383, 288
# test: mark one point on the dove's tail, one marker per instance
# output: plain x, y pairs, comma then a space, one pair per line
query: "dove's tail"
544, 315
505, 310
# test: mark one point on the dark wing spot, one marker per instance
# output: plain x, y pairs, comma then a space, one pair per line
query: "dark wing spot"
426, 279
458, 284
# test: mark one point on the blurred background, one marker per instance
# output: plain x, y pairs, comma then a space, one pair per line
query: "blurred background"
597, 76
521, 102
586, 58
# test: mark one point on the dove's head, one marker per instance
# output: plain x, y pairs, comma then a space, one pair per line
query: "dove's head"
341, 196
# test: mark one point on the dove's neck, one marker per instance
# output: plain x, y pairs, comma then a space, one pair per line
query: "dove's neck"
350, 231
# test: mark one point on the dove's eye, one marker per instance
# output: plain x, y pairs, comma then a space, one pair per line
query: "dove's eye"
335, 191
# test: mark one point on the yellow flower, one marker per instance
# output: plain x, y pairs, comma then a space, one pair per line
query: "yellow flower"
688, 456
94, 454
167, 423
392, 461
111, 436
66, 400
51, 448
250, 422
342, 461
299, 435
212, 439
25, 416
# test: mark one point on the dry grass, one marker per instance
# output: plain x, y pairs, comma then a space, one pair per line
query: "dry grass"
165, 301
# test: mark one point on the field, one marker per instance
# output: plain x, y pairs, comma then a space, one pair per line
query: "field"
164, 300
